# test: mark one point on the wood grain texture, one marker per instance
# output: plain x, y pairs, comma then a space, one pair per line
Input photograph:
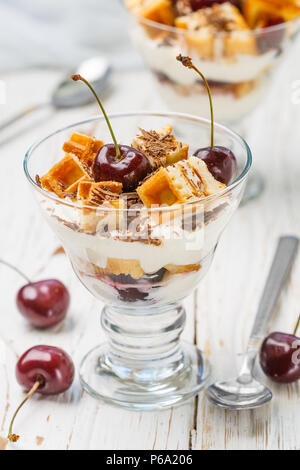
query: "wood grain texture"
220, 314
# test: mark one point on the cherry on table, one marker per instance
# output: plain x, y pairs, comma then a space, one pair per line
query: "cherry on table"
129, 170
43, 303
43, 369
220, 161
280, 356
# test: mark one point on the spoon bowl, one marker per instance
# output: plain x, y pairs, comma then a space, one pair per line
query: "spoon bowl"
235, 395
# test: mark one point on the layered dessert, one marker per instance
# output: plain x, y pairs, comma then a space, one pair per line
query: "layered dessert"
235, 43
142, 228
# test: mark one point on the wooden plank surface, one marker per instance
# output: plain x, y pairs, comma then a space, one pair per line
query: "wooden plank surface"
220, 314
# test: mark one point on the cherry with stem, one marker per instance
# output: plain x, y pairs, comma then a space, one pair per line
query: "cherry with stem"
78, 77
220, 161
46, 370
279, 356
115, 162
43, 303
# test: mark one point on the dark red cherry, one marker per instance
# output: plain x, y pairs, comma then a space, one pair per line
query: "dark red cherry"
130, 169
43, 303
197, 4
220, 161
280, 357
50, 366
42, 369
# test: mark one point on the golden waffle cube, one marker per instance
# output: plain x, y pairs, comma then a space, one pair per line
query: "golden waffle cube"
62, 176
259, 12
160, 147
83, 149
160, 11
205, 25
182, 182
94, 193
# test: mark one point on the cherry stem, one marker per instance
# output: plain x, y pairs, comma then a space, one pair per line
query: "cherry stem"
15, 269
79, 77
14, 437
187, 62
297, 326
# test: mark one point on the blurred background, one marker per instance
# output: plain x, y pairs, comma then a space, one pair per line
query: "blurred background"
62, 33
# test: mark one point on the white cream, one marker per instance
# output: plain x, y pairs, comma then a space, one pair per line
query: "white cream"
161, 58
226, 107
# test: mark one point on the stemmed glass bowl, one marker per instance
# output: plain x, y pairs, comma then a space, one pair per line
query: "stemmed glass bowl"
142, 262
237, 64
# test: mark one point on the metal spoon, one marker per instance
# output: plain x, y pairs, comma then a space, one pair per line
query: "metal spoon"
68, 94
245, 392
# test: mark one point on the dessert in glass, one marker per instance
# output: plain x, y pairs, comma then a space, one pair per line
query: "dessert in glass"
236, 44
140, 222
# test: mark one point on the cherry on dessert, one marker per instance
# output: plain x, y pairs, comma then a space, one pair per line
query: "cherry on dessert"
117, 162
280, 357
129, 170
43, 369
197, 4
44, 303
220, 160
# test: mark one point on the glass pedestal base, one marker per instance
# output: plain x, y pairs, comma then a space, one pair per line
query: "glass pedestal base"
101, 380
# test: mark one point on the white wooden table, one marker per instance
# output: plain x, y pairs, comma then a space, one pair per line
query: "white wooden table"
220, 314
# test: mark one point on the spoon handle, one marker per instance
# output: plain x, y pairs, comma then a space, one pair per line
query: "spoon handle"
21, 114
282, 263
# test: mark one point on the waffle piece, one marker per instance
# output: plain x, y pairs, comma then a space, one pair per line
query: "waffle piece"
90, 193
160, 147
84, 150
62, 176
204, 28
95, 219
131, 267
260, 13
182, 182
178, 269
160, 11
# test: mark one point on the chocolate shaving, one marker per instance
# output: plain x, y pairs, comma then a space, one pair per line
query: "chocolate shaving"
154, 146
99, 195
38, 180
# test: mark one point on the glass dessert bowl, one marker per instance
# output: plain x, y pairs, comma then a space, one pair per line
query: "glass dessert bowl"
237, 46
140, 251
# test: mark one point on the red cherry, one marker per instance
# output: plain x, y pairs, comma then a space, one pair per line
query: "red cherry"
280, 357
117, 162
220, 161
130, 169
43, 369
50, 366
197, 4
44, 303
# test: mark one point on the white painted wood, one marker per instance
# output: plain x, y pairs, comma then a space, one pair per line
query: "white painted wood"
224, 306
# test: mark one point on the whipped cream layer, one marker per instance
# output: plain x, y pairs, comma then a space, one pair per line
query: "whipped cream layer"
178, 246
226, 107
161, 57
